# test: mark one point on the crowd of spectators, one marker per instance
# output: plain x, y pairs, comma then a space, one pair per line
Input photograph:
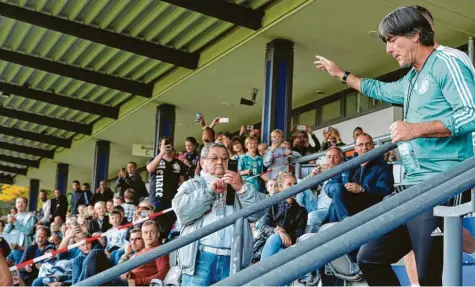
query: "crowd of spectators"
194, 182
202, 184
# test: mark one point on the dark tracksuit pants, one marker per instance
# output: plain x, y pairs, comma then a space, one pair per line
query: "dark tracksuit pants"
376, 256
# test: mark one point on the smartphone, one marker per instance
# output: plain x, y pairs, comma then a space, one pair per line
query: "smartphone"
168, 142
223, 120
198, 117
144, 214
249, 127
231, 193
301, 128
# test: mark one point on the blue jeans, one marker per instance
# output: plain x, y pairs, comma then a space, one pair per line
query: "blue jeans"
273, 246
116, 254
316, 218
307, 199
209, 269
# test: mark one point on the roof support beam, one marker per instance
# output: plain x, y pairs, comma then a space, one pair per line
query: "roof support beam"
47, 139
63, 101
85, 75
6, 179
108, 38
47, 121
225, 11
12, 169
20, 161
27, 150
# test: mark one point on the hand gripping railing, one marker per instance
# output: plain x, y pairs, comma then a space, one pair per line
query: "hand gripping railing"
354, 231
127, 266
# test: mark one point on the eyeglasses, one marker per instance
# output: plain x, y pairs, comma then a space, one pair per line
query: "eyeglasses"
135, 239
217, 158
364, 144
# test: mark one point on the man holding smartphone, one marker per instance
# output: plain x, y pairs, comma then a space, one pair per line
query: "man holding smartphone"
166, 174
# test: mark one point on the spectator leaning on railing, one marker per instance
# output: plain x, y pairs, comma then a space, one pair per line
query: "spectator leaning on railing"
438, 95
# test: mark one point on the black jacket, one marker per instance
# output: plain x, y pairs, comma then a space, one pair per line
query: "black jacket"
292, 218
79, 198
134, 182
94, 226
106, 196
59, 206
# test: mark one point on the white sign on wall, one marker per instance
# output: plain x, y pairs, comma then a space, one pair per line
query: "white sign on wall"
142, 150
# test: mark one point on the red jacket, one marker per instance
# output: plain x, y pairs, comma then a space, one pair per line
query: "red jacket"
157, 269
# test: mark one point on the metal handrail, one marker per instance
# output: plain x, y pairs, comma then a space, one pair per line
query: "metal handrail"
374, 228
315, 156
182, 241
344, 228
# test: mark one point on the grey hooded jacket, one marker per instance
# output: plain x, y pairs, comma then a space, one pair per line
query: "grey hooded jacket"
191, 203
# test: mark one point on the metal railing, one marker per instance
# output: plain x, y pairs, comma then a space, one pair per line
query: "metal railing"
311, 157
323, 251
313, 253
182, 241
385, 212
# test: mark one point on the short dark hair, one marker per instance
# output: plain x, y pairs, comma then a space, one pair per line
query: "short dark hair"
118, 208
192, 140
424, 12
76, 181
46, 229
43, 191
357, 129
86, 184
135, 230
133, 162
406, 21
237, 139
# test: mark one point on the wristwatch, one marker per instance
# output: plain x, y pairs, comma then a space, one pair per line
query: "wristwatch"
345, 76
362, 189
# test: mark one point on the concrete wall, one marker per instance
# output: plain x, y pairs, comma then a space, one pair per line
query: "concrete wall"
376, 124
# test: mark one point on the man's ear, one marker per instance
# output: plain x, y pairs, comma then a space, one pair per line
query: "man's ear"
202, 162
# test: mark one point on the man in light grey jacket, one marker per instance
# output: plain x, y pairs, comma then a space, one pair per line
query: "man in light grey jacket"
201, 201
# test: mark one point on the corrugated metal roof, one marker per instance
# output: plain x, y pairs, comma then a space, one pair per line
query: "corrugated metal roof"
150, 20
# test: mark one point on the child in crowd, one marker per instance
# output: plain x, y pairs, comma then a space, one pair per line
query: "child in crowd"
53, 270
251, 164
289, 150
82, 209
109, 206
55, 239
238, 148
129, 206
55, 229
90, 211
262, 148
271, 187
118, 200
276, 158
120, 210
116, 239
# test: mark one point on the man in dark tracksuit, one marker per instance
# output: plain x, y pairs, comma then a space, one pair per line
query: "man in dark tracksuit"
79, 197
363, 187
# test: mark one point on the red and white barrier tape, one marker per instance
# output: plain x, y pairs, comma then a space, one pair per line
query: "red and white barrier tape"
95, 237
